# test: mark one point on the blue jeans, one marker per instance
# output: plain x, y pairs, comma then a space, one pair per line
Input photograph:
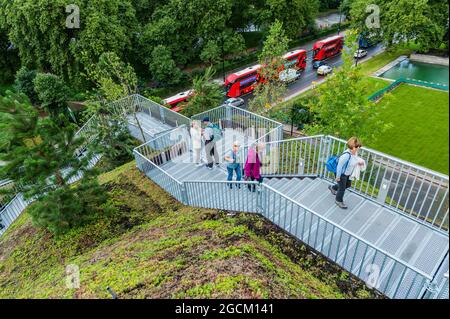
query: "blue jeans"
231, 170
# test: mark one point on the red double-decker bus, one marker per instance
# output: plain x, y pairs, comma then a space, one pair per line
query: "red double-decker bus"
179, 101
242, 82
328, 47
295, 59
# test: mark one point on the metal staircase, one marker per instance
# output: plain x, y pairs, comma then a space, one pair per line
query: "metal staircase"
394, 236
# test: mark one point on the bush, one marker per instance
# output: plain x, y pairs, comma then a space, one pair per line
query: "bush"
24, 83
69, 207
52, 93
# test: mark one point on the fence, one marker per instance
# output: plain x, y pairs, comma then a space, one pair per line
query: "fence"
376, 267
254, 126
306, 157
420, 193
379, 94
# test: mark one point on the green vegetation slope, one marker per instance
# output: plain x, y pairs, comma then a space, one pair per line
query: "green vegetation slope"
154, 247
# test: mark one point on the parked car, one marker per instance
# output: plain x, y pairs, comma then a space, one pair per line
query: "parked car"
235, 101
324, 70
317, 64
360, 54
290, 75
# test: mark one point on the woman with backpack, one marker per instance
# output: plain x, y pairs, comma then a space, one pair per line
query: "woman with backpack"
345, 167
252, 168
233, 164
210, 143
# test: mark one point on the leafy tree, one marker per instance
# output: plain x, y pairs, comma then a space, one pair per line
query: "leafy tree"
184, 27
111, 137
24, 83
9, 59
207, 94
114, 78
39, 155
295, 15
271, 89
211, 52
162, 66
37, 28
52, 92
422, 22
329, 4
226, 43
340, 106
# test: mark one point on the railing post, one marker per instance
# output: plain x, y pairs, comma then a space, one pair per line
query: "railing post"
325, 154
184, 195
228, 117
162, 115
259, 199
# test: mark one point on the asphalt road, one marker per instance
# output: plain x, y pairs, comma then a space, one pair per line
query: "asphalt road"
310, 75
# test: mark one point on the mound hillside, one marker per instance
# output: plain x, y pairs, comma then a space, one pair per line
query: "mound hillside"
148, 245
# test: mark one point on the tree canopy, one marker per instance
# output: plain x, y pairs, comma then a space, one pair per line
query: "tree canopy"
340, 106
422, 22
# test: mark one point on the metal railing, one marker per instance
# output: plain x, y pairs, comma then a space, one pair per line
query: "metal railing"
418, 192
396, 278
166, 147
379, 94
139, 104
380, 269
415, 191
251, 125
218, 195
296, 157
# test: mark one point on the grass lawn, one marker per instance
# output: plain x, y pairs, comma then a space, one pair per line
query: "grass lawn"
420, 127
154, 247
419, 117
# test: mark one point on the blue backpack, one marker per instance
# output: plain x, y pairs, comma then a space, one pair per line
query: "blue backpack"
333, 161
217, 132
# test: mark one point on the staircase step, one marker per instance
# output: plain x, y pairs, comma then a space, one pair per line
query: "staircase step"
304, 185
310, 194
285, 185
337, 215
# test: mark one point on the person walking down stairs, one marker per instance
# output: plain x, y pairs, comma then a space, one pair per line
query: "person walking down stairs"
252, 168
233, 159
345, 168
210, 144
196, 136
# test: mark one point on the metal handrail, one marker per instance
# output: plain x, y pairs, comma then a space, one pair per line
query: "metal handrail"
159, 168
398, 160
345, 231
183, 126
166, 109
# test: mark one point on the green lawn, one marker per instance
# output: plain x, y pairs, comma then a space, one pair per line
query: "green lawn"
420, 126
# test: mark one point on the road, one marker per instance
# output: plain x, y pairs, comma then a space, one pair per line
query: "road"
310, 75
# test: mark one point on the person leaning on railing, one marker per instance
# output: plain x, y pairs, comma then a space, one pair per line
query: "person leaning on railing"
346, 165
